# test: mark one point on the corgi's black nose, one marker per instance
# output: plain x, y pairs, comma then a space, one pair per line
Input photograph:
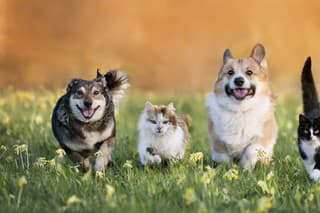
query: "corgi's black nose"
87, 103
239, 81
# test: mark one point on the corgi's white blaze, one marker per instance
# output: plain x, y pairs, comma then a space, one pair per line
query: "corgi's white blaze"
238, 125
168, 146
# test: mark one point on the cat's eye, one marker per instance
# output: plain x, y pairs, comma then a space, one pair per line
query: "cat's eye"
165, 122
230, 72
305, 131
316, 132
152, 121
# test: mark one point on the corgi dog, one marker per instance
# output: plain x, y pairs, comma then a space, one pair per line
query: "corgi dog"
241, 120
83, 119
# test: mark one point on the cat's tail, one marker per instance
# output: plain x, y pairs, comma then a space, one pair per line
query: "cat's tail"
186, 120
309, 92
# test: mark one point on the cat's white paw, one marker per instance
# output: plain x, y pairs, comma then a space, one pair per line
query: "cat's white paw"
156, 159
315, 175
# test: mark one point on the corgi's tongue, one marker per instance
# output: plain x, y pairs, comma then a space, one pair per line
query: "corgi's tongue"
240, 93
88, 112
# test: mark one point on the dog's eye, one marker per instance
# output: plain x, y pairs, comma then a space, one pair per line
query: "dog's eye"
230, 72
249, 72
153, 121
165, 122
79, 92
96, 92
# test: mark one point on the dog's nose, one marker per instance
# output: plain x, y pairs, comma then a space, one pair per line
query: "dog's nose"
239, 81
88, 103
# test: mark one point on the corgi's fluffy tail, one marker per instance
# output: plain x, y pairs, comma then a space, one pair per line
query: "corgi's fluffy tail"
117, 83
309, 91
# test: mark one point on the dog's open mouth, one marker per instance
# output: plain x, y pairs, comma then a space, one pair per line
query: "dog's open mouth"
240, 93
87, 112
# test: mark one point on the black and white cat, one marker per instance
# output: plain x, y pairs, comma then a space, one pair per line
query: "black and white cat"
309, 124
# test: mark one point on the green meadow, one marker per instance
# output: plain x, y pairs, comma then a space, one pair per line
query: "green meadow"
35, 176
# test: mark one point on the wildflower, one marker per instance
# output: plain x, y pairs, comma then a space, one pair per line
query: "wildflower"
3, 147
211, 172
128, 164
98, 154
25, 96
231, 174
195, 157
189, 196
205, 179
60, 153
5, 120
264, 204
110, 190
261, 153
265, 188
18, 149
22, 181
52, 162
38, 120
41, 162
99, 174
73, 199
270, 175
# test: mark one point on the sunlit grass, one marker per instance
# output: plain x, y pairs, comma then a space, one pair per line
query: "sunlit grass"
35, 174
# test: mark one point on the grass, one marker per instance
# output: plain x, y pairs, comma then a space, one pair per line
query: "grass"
29, 183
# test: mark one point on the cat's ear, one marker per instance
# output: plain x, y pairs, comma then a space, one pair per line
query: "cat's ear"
303, 119
171, 107
148, 106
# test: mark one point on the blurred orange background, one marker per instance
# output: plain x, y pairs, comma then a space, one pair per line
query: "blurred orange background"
163, 45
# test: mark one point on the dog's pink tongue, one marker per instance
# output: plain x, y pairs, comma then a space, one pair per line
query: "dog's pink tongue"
88, 112
240, 93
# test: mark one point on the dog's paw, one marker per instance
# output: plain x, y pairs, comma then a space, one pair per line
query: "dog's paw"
315, 175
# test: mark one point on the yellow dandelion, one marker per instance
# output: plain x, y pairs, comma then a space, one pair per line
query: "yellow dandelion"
3, 147
25, 96
189, 196
270, 175
128, 164
18, 149
99, 174
261, 153
98, 154
73, 199
38, 120
5, 120
41, 162
52, 162
231, 174
264, 204
60, 153
195, 157
22, 181
110, 190
205, 179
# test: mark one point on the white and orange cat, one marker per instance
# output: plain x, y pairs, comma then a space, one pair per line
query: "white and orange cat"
162, 134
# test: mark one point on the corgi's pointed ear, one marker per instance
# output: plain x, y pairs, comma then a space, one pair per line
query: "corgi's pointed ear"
258, 53
227, 55
72, 83
171, 107
99, 75
148, 106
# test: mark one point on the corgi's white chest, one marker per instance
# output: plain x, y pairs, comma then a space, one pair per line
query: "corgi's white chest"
237, 129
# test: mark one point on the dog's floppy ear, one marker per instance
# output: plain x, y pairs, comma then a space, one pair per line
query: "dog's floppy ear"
259, 55
226, 55
72, 83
